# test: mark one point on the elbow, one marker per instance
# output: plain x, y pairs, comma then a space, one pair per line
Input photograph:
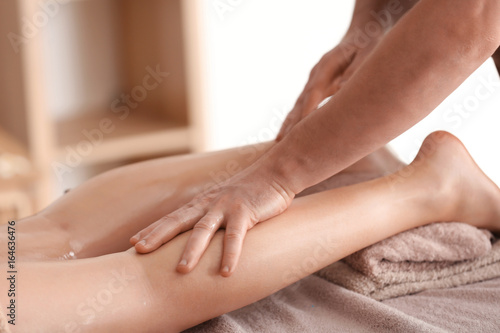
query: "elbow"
472, 26
482, 25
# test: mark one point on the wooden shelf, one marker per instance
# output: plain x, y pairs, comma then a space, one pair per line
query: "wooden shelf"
11, 145
134, 137
56, 93
15, 191
16, 156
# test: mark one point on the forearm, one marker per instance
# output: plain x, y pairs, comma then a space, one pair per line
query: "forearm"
363, 10
385, 12
417, 65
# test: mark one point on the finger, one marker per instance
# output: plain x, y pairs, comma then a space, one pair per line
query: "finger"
146, 231
302, 109
285, 128
337, 63
167, 228
290, 121
233, 242
328, 69
334, 87
138, 236
351, 70
312, 101
202, 234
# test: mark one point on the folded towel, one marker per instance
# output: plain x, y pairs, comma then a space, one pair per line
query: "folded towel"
439, 255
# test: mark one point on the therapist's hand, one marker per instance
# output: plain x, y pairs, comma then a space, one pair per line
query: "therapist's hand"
249, 197
329, 75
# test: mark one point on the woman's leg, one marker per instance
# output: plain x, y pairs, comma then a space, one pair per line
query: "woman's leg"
134, 292
98, 217
102, 214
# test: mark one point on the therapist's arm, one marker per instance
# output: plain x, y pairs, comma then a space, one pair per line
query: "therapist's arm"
371, 20
428, 54
418, 64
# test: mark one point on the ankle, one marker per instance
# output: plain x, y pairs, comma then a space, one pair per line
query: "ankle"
432, 191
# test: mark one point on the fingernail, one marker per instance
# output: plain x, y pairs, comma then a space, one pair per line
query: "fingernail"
225, 269
134, 238
142, 242
183, 262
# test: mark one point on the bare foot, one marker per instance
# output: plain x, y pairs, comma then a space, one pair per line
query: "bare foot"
456, 186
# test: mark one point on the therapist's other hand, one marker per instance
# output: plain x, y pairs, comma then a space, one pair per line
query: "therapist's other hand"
328, 76
249, 197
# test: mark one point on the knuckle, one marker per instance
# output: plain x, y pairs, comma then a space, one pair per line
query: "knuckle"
201, 199
213, 216
165, 220
192, 204
205, 225
235, 230
239, 204
234, 235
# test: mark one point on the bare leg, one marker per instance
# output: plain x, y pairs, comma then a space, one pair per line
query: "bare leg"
99, 217
133, 292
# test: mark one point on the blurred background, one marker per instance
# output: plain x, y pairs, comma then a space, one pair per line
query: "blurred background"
88, 85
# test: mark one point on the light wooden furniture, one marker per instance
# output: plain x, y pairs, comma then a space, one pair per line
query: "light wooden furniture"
161, 115
16, 180
15, 203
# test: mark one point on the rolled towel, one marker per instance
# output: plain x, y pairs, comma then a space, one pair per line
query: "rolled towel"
439, 255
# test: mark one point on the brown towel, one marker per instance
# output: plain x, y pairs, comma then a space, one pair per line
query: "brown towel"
439, 255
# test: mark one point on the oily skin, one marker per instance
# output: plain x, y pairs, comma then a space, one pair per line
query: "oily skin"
417, 64
82, 225
131, 292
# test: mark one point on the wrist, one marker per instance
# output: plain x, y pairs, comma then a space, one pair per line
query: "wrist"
267, 177
285, 166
